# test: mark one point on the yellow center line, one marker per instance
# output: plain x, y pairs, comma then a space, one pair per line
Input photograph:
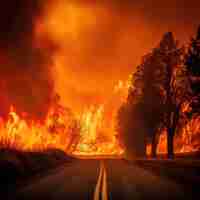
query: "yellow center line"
98, 185
101, 186
104, 184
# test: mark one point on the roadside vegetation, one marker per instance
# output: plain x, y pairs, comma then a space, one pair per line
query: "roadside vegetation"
17, 166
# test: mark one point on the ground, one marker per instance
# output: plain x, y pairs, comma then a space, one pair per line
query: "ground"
105, 179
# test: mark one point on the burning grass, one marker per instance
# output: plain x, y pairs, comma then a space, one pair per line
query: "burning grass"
81, 135
20, 133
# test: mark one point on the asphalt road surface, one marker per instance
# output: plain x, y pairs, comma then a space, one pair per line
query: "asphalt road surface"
100, 180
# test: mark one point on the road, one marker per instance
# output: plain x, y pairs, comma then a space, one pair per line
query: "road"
100, 180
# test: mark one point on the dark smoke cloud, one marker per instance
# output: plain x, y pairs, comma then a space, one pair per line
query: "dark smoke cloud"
125, 31
25, 80
16, 21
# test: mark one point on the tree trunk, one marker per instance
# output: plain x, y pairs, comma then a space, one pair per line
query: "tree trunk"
171, 129
170, 145
154, 146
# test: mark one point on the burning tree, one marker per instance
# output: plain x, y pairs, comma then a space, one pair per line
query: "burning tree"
169, 58
157, 92
188, 137
129, 118
153, 107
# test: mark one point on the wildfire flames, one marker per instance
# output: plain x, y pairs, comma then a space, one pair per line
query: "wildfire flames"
186, 139
90, 129
95, 137
59, 130
86, 133
17, 132
63, 35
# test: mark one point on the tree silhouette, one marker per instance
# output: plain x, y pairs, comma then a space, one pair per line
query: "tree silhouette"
169, 59
151, 108
156, 94
193, 68
130, 120
141, 116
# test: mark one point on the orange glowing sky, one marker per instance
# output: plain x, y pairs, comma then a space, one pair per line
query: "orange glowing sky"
101, 42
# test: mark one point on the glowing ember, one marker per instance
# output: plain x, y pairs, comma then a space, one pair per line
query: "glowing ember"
95, 137
186, 139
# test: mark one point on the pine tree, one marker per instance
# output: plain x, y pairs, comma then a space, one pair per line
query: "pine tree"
130, 126
169, 57
156, 94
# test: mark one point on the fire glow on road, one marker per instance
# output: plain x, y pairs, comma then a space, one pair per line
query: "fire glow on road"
101, 192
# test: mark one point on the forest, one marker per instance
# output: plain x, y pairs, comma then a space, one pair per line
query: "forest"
164, 101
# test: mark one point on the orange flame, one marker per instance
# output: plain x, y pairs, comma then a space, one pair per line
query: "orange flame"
186, 139
96, 138
19, 133
85, 134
